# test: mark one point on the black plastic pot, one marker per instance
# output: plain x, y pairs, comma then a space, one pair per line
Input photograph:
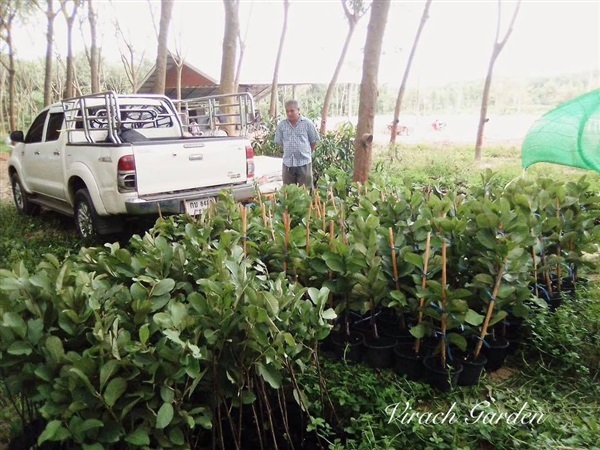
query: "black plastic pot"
495, 352
441, 378
408, 362
554, 301
471, 370
349, 348
379, 353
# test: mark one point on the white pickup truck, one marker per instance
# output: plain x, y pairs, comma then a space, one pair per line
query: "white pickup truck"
104, 158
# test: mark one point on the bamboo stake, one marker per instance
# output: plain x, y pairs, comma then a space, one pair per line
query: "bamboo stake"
535, 270
244, 227
558, 273
310, 209
423, 286
332, 198
324, 216
395, 268
263, 212
330, 248
490, 310
286, 227
444, 317
271, 223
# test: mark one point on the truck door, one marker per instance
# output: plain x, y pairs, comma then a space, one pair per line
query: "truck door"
52, 157
33, 166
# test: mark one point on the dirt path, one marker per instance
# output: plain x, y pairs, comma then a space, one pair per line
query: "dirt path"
5, 190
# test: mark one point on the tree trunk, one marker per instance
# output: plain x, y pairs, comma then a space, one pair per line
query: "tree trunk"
51, 15
402, 89
94, 50
242, 43
2, 83
160, 68
274, 96
70, 71
336, 73
496, 50
368, 89
11, 76
230, 36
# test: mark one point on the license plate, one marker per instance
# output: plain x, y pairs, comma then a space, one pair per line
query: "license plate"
195, 207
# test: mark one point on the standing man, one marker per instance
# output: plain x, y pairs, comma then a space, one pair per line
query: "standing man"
298, 136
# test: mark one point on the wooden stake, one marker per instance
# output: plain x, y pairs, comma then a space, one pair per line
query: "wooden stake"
324, 216
332, 198
490, 310
394, 265
263, 212
424, 286
330, 248
444, 318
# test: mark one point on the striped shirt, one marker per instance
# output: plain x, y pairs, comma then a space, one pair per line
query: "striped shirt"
296, 141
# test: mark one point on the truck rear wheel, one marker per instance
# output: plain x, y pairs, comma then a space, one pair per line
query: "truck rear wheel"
21, 198
86, 217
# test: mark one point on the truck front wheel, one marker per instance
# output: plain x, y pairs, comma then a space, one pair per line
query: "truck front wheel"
86, 217
21, 198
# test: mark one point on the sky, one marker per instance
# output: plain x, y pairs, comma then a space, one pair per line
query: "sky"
549, 38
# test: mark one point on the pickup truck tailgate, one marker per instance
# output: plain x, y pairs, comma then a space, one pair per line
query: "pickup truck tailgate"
191, 164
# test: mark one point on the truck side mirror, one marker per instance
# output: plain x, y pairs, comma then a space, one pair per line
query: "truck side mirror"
17, 136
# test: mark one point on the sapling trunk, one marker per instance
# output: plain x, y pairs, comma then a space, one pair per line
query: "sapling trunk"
373, 321
332, 198
444, 318
324, 216
423, 286
546, 272
490, 310
535, 270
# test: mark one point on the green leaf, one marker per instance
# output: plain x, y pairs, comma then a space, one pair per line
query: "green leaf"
458, 340
418, 331
144, 333
473, 318
96, 446
16, 323
270, 375
334, 262
49, 432
163, 287
414, 259
55, 348
176, 436
18, 348
138, 292
90, 424
139, 437
500, 316
329, 314
164, 416
108, 370
115, 388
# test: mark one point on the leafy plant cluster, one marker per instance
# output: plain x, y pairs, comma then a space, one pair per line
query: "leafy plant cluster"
176, 342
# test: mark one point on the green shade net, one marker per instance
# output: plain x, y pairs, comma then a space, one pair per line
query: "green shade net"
568, 135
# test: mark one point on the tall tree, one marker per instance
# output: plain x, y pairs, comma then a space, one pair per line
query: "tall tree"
50, 16
131, 63
354, 10
496, 49
242, 44
274, 91
94, 53
69, 9
7, 16
228, 57
402, 89
368, 89
166, 10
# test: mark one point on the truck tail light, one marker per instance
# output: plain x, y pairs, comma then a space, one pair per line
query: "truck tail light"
249, 162
126, 163
126, 173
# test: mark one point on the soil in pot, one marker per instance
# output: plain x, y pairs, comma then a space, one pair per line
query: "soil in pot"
408, 362
441, 378
379, 353
495, 351
348, 347
471, 370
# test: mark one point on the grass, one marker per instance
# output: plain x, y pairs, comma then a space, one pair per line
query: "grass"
555, 372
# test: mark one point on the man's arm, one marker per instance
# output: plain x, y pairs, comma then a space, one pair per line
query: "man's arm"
313, 136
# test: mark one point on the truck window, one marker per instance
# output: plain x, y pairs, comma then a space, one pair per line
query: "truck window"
36, 130
55, 123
